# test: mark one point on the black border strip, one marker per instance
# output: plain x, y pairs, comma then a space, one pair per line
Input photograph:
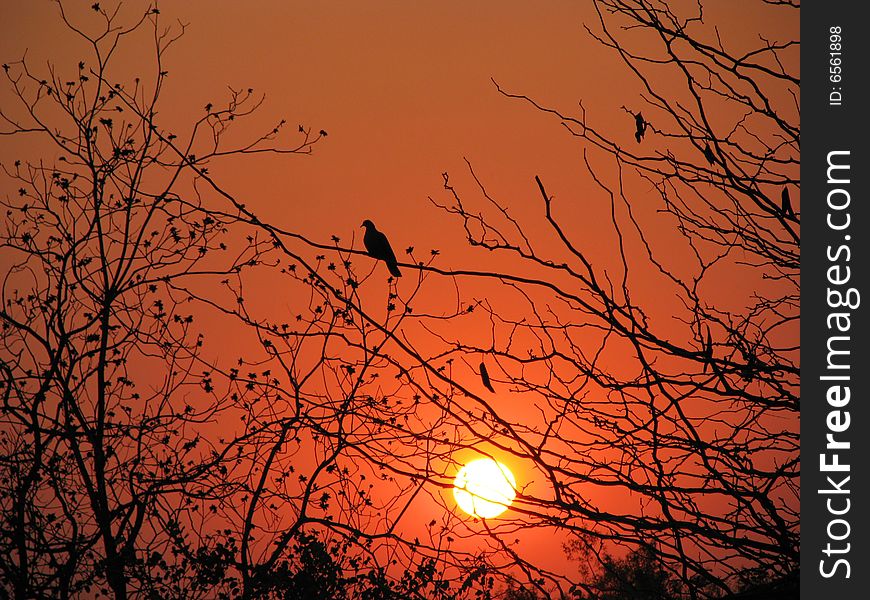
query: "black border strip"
835, 124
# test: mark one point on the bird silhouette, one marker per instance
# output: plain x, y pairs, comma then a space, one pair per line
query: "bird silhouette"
641, 127
378, 246
787, 210
708, 153
484, 377
708, 352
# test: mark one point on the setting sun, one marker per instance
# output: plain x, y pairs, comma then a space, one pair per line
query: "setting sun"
484, 488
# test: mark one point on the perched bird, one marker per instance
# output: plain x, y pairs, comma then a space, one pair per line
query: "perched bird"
641, 127
752, 367
708, 153
378, 246
708, 352
484, 377
787, 210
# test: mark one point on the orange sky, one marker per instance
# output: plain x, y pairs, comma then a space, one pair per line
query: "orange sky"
403, 90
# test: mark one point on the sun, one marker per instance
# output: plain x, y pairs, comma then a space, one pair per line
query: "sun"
484, 488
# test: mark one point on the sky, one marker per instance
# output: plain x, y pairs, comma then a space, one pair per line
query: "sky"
403, 89
405, 92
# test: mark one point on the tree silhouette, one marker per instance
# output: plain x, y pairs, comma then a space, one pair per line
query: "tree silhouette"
638, 576
663, 375
679, 397
108, 396
135, 462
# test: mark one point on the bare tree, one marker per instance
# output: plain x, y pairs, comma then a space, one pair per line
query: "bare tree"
667, 412
135, 462
668, 416
108, 394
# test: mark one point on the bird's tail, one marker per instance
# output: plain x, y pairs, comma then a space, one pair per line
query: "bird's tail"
394, 269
